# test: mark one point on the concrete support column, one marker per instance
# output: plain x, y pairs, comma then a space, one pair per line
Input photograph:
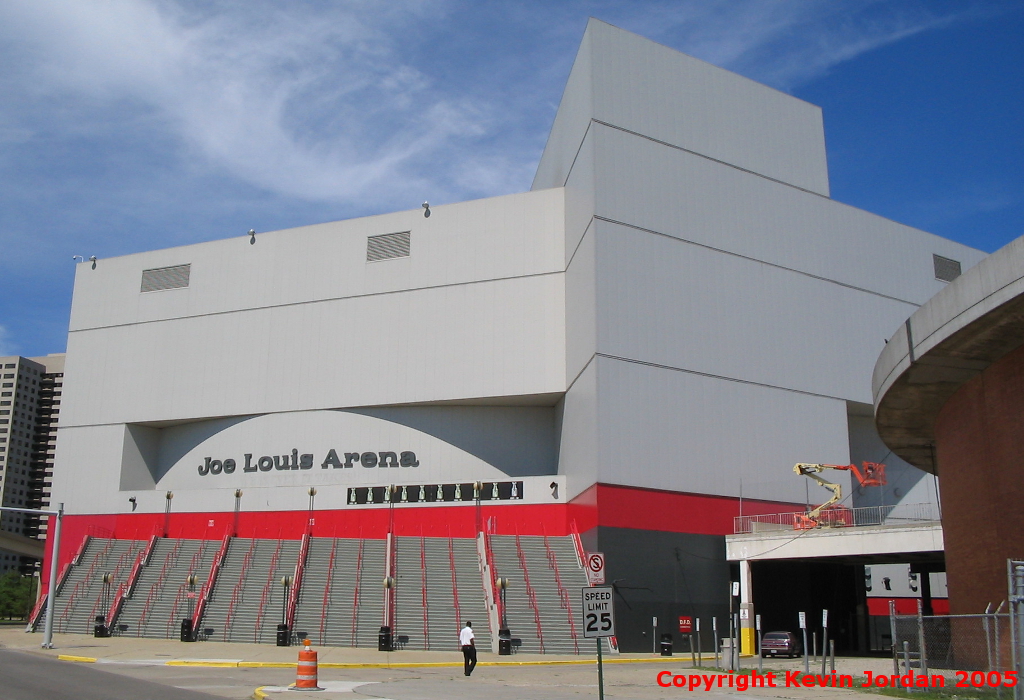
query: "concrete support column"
748, 640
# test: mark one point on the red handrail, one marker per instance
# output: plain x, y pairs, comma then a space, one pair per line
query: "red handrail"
37, 609
563, 595
196, 558
122, 588
495, 595
300, 567
140, 561
530, 592
455, 582
115, 607
581, 555
355, 594
327, 589
204, 594
257, 633
78, 589
156, 588
423, 573
242, 574
169, 625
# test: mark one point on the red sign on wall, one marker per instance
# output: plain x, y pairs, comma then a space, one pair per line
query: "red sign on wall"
685, 625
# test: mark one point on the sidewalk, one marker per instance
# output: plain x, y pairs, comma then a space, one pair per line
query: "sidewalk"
237, 671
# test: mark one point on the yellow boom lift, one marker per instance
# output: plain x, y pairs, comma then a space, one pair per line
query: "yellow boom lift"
873, 475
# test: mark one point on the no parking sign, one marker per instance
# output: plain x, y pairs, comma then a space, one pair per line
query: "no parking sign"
595, 568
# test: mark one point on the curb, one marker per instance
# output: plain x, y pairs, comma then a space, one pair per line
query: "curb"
258, 694
410, 664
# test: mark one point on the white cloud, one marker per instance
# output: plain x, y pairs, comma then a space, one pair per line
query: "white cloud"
310, 103
330, 101
785, 43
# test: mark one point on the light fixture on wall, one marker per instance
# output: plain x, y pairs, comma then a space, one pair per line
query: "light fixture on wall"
252, 236
426, 210
134, 504
554, 489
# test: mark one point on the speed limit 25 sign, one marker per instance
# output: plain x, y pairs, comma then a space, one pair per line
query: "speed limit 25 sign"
598, 611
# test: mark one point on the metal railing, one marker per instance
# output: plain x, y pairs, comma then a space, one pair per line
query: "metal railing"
530, 593
182, 588
156, 589
455, 581
300, 567
577, 542
211, 579
909, 514
257, 633
327, 589
81, 586
355, 591
951, 642
243, 574
563, 594
423, 576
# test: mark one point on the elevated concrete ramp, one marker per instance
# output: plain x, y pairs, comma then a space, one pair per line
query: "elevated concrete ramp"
875, 544
25, 546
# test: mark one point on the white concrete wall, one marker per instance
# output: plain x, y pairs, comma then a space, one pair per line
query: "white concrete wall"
109, 464
300, 320
640, 86
703, 254
299, 323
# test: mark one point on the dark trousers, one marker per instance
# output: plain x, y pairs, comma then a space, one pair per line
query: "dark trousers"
469, 655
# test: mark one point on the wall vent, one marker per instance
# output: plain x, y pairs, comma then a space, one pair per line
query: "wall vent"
173, 277
387, 246
945, 269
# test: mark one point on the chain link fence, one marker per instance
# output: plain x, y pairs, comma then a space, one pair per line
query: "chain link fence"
954, 642
992, 642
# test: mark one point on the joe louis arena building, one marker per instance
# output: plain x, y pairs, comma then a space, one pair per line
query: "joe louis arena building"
622, 360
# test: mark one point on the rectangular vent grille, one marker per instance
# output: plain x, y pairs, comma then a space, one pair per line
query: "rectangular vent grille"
174, 277
387, 246
945, 269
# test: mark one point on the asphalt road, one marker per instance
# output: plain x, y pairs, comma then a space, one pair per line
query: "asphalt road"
31, 677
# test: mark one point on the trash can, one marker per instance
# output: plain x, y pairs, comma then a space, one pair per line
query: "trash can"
186, 629
100, 629
283, 637
384, 639
504, 642
666, 645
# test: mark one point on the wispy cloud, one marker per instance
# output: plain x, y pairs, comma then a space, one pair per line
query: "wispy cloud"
786, 43
328, 102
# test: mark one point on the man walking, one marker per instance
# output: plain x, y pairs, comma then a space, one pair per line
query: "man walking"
466, 638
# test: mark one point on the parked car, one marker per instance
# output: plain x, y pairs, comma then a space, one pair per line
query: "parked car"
779, 644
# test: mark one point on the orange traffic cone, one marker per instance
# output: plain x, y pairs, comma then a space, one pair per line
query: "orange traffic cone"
305, 678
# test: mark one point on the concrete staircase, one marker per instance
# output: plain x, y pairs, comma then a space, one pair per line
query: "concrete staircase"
160, 599
84, 595
544, 621
425, 565
341, 602
248, 598
472, 598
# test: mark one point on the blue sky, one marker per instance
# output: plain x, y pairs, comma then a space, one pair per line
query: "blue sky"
129, 125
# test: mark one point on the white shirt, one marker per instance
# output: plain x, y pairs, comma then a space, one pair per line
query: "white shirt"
466, 636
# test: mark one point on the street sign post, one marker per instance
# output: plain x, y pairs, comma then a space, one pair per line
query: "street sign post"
803, 629
824, 638
597, 605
